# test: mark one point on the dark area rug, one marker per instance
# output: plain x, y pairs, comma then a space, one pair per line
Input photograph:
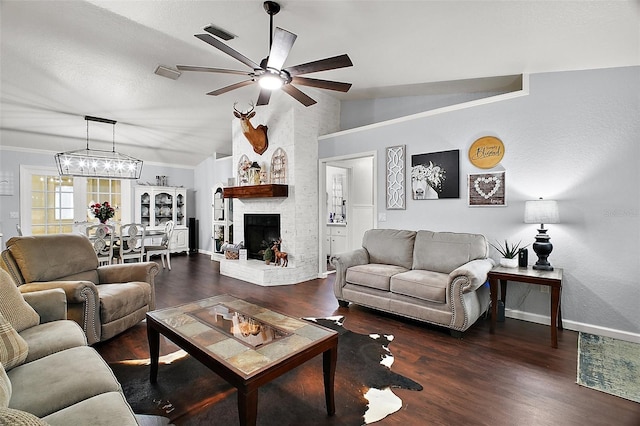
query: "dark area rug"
188, 393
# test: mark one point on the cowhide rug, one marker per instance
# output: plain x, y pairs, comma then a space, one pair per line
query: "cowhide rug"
188, 393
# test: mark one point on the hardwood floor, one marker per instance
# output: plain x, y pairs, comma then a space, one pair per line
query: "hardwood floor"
511, 378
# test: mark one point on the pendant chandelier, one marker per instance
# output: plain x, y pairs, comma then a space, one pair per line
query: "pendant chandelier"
98, 163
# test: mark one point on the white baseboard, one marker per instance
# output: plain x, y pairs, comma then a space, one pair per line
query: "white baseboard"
575, 326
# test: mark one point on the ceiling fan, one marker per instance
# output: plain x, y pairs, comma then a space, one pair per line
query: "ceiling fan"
269, 74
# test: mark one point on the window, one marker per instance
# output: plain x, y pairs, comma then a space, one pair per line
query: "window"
51, 204
101, 190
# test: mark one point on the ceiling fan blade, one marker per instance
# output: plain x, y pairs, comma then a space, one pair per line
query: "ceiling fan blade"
208, 69
263, 97
322, 84
298, 95
340, 61
282, 43
226, 49
230, 87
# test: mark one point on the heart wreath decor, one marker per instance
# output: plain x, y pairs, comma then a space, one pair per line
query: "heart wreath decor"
487, 180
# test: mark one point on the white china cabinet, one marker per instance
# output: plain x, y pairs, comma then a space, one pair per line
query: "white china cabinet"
156, 205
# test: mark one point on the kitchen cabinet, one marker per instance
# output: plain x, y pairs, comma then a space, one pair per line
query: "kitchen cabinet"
336, 239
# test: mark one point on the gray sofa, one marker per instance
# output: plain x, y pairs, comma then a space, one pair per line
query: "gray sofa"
436, 277
49, 375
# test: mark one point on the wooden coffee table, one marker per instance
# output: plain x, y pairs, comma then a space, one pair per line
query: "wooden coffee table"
245, 344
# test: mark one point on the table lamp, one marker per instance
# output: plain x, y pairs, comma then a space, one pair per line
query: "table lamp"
542, 211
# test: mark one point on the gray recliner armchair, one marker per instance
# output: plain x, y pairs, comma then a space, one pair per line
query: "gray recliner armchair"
104, 300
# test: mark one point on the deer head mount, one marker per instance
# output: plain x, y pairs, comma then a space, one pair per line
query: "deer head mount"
257, 136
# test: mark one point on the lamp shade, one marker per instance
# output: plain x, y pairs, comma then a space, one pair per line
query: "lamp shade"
541, 211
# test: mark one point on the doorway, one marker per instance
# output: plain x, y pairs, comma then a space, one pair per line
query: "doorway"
347, 204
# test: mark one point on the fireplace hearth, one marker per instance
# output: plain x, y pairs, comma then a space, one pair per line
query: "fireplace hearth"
260, 232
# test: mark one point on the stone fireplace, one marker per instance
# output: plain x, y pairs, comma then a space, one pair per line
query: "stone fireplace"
260, 232
295, 129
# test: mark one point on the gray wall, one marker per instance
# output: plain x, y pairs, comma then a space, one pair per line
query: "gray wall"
10, 161
574, 138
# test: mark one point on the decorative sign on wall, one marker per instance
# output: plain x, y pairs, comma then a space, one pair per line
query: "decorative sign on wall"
486, 152
487, 189
435, 175
395, 178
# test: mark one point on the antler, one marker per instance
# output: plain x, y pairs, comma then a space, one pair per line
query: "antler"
243, 113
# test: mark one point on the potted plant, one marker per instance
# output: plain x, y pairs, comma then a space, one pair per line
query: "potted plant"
268, 255
509, 253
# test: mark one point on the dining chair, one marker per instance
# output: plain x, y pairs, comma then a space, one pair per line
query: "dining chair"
131, 242
81, 227
165, 246
101, 237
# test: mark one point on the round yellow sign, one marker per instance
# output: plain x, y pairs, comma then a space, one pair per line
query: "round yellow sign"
486, 152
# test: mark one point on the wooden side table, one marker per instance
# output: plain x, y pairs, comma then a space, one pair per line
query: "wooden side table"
501, 275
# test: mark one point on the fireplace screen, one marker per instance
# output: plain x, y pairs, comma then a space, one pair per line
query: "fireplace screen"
260, 231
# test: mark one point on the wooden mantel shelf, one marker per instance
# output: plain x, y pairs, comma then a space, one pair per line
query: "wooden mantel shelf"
256, 191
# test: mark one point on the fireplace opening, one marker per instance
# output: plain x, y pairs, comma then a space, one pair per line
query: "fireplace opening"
260, 232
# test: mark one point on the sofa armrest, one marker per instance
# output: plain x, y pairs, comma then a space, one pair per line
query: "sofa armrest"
129, 272
75, 291
474, 274
83, 303
344, 261
50, 304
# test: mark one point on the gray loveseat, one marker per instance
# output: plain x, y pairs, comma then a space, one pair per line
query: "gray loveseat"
49, 375
436, 277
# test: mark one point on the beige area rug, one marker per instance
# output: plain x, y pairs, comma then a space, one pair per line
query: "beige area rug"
609, 365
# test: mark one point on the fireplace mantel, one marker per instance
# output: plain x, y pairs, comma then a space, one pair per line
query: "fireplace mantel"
256, 191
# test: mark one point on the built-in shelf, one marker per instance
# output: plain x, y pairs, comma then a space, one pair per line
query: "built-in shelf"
257, 191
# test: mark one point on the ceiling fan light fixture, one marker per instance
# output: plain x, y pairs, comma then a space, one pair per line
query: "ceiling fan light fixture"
271, 80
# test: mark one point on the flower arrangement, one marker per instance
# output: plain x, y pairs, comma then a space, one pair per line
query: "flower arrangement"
103, 211
433, 174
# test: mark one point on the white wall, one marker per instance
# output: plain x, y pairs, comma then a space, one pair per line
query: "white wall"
574, 138
206, 174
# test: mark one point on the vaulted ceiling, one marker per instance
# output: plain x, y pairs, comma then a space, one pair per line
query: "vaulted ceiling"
62, 60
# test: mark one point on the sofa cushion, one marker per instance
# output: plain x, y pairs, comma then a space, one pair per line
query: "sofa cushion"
51, 337
108, 408
445, 251
120, 300
13, 306
424, 285
5, 388
10, 416
373, 275
69, 376
390, 246
13, 348
52, 262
